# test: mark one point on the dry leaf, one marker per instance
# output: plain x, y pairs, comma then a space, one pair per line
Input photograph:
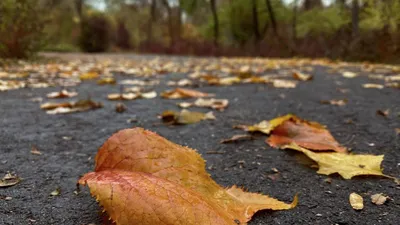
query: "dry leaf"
308, 134
35, 151
265, 126
346, 165
183, 93
62, 94
70, 107
377, 86
9, 180
185, 104
383, 113
131, 96
356, 201
213, 103
185, 117
120, 107
142, 178
280, 83
106, 80
397, 130
89, 76
180, 83
349, 74
301, 76
341, 102
379, 199
235, 138
56, 192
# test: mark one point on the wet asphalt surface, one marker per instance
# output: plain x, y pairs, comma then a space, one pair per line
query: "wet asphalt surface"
69, 143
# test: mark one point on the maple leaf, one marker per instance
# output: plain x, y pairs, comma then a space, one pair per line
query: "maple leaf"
346, 165
308, 134
184, 93
162, 181
265, 126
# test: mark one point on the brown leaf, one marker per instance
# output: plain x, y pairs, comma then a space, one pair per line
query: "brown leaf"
183, 93
62, 94
185, 117
106, 80
120, 107
280, 83
379, 199
35, 151
377, 86
235, 138
70, 107
301, 76
340, 102
89, 76
384, 113
142, 178
310, 135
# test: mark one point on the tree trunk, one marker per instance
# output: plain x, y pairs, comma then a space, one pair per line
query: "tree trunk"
294, 21
170, 23
310, 4
355, 11
79, 8
179, 22
216, 22
272, 16
256, 29
152, 19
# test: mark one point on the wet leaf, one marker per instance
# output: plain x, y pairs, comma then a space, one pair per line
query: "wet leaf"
356, 201
183, 93
185, 117
302, 76
9, 180
280, 83
160, 180
379, 199
308, 134
340, 102
70, 107
62, 94
376, 86
346, 165
235, 138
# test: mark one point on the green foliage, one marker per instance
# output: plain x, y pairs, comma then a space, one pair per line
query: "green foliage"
95, 33
379, 14
21, 28
322, 21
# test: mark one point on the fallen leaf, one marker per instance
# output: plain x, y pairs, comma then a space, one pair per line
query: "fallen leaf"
377, 86
340, 102
237, 137
35, 151
384, 113
9, 180
185, 117
183, 93
393, 84
89, 76
122, 96
120, 107
308, 134
356, 201
56, 192
397, 130
163, 181
280, 83
106, 80
180, 83
265, 126
379, 199
70, 107
148, 95
62, 94
185, 104
346, 165
301, 76
348, 74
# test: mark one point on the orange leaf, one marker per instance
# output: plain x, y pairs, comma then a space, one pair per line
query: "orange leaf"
184, 93
152, 164
310, 135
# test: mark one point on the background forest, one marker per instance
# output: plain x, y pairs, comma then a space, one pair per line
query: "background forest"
337, 29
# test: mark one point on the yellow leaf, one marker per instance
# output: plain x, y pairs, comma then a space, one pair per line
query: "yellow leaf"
356, 201
142, 178
266, 126
89, 76
346, 165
